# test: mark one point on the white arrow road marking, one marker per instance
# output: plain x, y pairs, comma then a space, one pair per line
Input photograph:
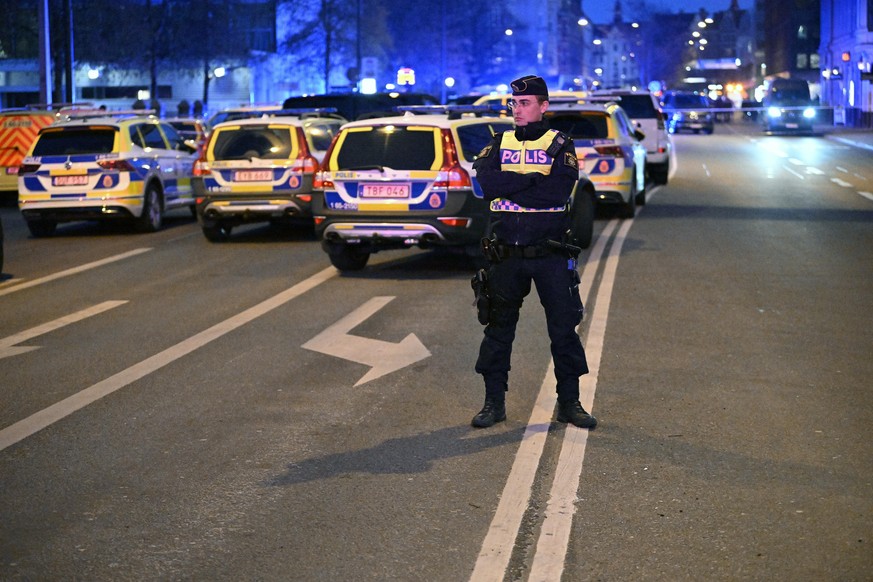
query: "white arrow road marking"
382, 357
8, 345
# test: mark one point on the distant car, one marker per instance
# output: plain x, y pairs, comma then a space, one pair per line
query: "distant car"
644, 109
609, 150
18, 130
787, 106
260, 169
242, 112
105, 166
353, 106
405, 181
688, 112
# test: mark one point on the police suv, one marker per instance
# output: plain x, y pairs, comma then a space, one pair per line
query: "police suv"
405, 181
104, 166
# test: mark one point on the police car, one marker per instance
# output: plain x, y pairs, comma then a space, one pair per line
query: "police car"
261, 169
406, 181
608, 147
122, 165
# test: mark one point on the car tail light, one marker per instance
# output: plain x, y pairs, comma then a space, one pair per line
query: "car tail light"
27, 168
612, 150
305, 197
306, 162
319, 183
451, 176
201, 166
117, 165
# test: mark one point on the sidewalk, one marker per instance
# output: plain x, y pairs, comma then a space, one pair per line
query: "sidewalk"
860, 137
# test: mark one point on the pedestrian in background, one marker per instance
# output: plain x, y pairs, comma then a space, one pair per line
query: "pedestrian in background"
528, 174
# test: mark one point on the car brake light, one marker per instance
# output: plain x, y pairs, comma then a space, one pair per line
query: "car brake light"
117, 165
451, 175
27, 168
201, 168
612, 150
306, 164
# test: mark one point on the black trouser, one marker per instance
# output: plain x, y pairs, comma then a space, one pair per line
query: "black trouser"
557, 284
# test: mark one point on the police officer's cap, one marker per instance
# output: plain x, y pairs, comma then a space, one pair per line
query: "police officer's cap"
530, 85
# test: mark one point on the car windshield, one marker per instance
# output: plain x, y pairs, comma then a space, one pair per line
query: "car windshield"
586, 125
687, 101
396, 147
253, 141
75, 141
638, 106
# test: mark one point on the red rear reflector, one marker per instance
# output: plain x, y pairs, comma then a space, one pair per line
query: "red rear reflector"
455, 221
305, 197
318, 219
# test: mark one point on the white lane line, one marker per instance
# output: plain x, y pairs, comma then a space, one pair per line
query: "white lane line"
796, 162
867, 195
790, 171
705, 169
40, 420
814, 170
9, 347
73, 271
842, 183
497, 547
842, 169
551, 551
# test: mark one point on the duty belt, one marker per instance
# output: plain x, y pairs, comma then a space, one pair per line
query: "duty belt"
497, 251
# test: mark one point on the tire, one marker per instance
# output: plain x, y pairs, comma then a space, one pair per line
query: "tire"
346, 258
582, 219
41, 228
152, 217
659, 174
217, 232
629, 208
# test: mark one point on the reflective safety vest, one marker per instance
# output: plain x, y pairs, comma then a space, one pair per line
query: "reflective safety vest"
525, 157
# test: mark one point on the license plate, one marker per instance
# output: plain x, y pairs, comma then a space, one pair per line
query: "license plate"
384, 191
696, 125
70, 180
791, 126
253, 176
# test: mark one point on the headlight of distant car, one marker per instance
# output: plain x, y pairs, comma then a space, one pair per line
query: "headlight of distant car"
809, 113
774, 112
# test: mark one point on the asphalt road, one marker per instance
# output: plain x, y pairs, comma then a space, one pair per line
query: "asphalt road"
162, 419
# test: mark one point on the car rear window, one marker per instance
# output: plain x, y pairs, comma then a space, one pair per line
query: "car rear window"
638, 106
75, 141
475, 137
396, 147
253, 141
592, 125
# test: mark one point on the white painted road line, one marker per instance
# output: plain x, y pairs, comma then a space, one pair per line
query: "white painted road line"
73, 271
790, 171
840, 182
40, 420
9, 347
497, 547
551, 552
867, 195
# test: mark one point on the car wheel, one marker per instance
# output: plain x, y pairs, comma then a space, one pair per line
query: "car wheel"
346, 258
41, 228
629, 209
659, 174
152, 211
217, 232
582, 219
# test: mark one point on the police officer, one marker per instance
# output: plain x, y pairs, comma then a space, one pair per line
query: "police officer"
527, 174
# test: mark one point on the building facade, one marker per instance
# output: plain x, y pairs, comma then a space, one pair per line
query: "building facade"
846, 54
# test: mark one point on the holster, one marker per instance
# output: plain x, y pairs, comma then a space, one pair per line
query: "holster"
482, 295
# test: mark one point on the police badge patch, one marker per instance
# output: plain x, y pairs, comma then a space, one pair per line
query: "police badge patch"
570, 160
485, 152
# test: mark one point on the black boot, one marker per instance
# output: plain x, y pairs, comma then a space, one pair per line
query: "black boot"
493, 411
573, 413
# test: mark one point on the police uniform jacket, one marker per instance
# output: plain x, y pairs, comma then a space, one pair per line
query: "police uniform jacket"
527, 188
